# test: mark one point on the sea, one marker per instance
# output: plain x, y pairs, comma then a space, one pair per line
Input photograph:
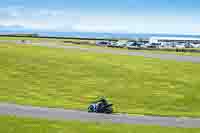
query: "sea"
97, 35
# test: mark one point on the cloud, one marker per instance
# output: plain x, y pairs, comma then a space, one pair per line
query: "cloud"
32, 18
139, 24
72, 20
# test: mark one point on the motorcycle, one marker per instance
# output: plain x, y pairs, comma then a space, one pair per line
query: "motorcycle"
101, 106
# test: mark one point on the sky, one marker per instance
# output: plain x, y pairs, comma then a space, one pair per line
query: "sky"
112, 16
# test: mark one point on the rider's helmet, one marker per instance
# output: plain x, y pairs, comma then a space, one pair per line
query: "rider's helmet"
92, 108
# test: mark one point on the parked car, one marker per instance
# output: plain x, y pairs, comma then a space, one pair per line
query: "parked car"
168, 45
130, 44
153, 45
102, 43
196, 45
146, 45
121, 44
112, 44
188, 45
180, 46
164, 45
134, 44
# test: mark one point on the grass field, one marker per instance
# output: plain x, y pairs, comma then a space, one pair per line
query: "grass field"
26, 125
72, 79
24, 38
43, 39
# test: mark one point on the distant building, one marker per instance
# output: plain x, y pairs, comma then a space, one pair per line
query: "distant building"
174, 39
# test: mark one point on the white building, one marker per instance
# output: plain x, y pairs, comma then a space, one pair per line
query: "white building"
174, 39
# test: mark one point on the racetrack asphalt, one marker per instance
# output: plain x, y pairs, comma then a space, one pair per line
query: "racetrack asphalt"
62, 114
181, 58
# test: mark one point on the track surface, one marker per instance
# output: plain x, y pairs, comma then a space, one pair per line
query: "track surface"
181, 58
62, 114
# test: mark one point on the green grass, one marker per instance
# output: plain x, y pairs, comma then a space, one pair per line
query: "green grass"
72, 79
26, 125
26, 38
53, 40
22, 38
170, 52
16, 38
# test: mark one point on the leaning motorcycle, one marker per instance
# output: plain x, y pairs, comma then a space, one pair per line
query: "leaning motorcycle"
94, 108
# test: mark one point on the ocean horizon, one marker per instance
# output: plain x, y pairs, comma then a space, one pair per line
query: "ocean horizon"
97, 35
